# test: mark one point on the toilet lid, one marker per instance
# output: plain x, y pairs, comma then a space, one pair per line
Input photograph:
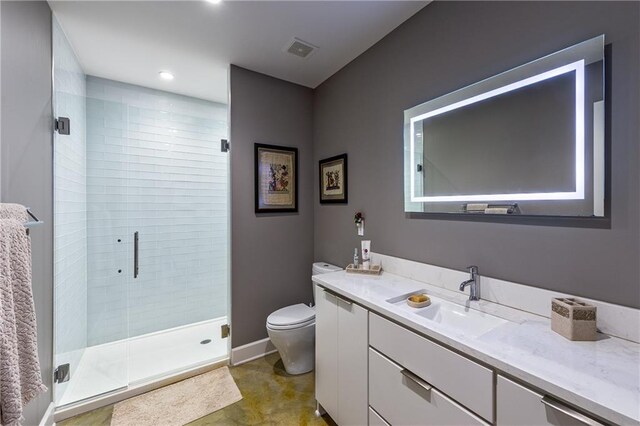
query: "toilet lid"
292, 315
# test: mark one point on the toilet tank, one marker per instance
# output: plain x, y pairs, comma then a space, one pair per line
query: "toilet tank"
322, 268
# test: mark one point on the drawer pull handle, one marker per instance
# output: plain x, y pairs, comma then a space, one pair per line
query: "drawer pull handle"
345, 301
549, 402
417, 380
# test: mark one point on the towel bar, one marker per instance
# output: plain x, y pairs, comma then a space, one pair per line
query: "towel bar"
34, 222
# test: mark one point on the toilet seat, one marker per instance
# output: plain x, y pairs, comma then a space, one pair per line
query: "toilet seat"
290, 317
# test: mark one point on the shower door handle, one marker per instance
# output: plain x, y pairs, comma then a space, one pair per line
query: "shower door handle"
135, 254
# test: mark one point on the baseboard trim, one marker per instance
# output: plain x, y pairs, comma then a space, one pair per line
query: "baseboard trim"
131, 391
47, 418
251, 351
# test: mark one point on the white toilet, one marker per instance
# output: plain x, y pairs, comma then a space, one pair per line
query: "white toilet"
292, 330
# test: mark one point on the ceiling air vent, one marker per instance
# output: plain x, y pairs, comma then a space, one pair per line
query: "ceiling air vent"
300, 48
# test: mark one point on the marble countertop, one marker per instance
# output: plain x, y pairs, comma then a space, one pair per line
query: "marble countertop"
602, 377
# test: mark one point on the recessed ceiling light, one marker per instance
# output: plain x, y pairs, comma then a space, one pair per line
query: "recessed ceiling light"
165, 75
214, 1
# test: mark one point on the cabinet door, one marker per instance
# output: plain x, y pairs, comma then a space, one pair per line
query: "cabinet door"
352, 364
327, 351
517, 405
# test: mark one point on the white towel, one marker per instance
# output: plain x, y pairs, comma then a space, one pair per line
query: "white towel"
474, 207
496, 210
20, 376
13, 211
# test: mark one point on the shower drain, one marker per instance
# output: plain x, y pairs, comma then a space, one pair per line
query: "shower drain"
205, 341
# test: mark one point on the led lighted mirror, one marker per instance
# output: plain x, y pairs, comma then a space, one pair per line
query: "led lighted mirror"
528, 141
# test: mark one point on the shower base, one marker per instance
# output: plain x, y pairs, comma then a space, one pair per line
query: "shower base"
117, 365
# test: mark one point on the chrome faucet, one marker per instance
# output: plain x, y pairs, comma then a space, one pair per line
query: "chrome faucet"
474, 286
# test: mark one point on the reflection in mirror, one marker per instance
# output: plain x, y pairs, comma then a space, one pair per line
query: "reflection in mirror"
527, 141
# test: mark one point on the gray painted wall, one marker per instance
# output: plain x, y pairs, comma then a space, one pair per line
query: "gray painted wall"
26, 145
449, 45
271, 254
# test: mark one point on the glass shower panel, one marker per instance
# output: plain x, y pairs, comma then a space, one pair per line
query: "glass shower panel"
93, 370
110, 239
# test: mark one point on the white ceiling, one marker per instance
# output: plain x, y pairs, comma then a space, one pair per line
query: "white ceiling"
131, 41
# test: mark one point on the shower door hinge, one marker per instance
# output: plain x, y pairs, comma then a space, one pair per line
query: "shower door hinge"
63, 125
62, 373
225, 330
224, 145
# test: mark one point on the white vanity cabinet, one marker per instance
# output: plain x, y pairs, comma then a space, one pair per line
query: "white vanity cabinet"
372, 370
518, 405
341, 358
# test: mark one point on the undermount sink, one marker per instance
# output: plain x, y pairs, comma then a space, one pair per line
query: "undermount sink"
459, 317
453, 316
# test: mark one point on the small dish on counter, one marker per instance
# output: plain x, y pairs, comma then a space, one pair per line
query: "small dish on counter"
418, 300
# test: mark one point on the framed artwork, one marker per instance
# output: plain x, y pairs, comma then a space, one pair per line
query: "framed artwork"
333, 180
276, 178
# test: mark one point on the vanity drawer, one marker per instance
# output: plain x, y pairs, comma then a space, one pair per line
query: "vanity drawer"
375, 419
402, 400
468, 382
521, 406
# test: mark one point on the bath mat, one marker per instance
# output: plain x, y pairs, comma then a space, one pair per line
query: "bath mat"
179, 403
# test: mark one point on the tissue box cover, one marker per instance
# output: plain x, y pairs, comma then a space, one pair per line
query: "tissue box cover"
573, 319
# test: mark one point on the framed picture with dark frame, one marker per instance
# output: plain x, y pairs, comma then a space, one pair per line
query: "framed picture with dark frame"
276, 178
333, 180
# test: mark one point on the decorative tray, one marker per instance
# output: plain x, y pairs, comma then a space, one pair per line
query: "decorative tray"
374, 270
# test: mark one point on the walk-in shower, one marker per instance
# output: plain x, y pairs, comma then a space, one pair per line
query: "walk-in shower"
141, 195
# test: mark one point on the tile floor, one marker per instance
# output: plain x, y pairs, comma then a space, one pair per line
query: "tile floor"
270, 397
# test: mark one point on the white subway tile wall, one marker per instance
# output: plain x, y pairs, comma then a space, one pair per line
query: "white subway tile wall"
70, 205
154, 166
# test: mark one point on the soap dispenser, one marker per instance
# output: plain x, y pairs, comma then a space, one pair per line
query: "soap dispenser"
355, 258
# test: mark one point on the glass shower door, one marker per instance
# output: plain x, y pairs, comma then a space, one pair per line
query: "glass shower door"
178, 204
